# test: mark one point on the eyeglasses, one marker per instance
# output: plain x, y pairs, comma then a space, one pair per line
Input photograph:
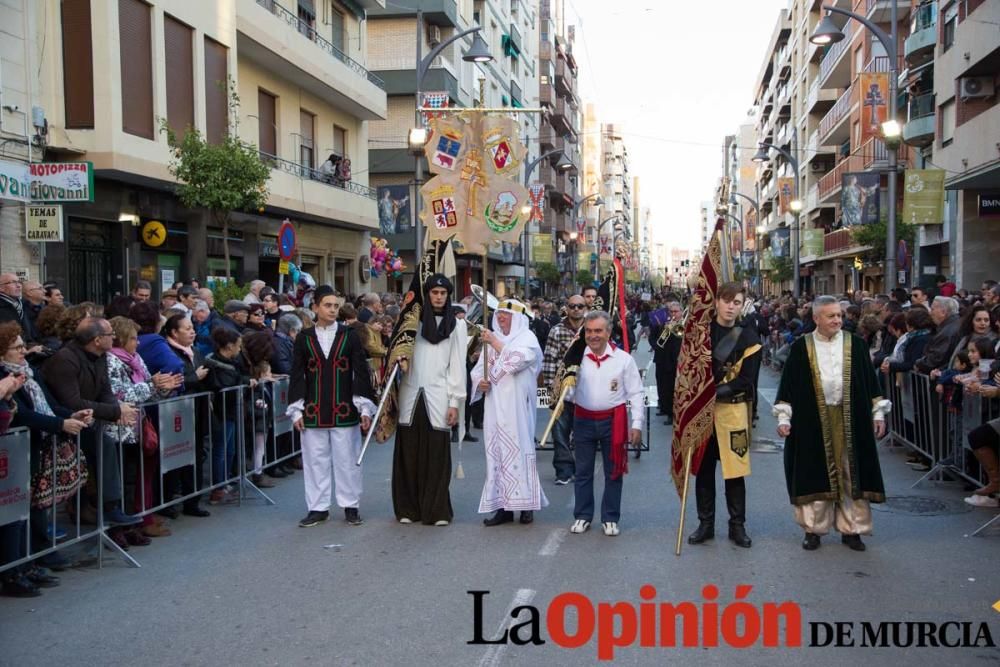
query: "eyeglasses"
577, 306
18, 348
103, 334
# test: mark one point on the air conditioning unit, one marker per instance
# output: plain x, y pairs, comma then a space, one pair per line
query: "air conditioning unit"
975, 86
434, 35
817, 167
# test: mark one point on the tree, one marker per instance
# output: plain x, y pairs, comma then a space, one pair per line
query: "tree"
221, 178
874, 235
781, 269
548, 273
584, 278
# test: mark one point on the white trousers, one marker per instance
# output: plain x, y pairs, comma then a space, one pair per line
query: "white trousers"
336, 448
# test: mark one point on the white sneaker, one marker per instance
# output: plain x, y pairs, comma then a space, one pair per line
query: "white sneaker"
404, 519
580, 526
611, 528
442, 522
982, 501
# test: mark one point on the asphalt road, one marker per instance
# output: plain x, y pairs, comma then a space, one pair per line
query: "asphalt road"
247, 586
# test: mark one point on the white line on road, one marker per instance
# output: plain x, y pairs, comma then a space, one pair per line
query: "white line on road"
551, 545
495, 651
769, 394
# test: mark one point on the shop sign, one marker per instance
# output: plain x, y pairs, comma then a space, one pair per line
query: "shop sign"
154, 233
989, 204
14, 181
44, 224
62, 181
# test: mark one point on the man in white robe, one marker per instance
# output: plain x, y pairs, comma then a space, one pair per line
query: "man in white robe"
514, 359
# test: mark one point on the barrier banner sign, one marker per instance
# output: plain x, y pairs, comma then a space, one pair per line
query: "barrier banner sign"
279, 403
176, 434
15, 476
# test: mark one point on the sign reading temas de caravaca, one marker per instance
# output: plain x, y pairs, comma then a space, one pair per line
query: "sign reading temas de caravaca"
62, 181
44, 223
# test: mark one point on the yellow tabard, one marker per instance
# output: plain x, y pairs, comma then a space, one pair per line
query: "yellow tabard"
732, 428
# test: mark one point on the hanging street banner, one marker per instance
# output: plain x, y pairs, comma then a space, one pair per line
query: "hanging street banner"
812, 242
475, 196
43, 224
766, 260
536, 194
541, 249
14, 181
62, 181
923, 197
780, 242
859, 198
874, 90
786, 193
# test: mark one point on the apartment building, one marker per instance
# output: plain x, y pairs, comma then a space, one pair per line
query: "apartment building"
511, 29
950, 77
616, 186
109, 72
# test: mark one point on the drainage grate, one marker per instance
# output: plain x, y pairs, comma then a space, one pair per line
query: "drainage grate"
922, 506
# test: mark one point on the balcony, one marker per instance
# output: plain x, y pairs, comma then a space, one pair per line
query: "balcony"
546, 140
838, 241
921, 121
919, 46
835, 68
819, 100
880, 11
871, 155
276, 39
298, 189
836, 126
546, 96
442, 13
565, 78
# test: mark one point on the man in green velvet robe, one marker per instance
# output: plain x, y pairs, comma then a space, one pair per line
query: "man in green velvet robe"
831, 413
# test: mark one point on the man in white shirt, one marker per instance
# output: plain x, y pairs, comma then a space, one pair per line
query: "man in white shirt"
830, 412
253, 296
607, 378
330, 396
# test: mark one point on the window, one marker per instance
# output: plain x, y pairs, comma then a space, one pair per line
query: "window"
179, 52
267, 113
948, 26
337, 28
78, 64
947, 120
135, 37
307, 17
307, 147
340, 141
216, 91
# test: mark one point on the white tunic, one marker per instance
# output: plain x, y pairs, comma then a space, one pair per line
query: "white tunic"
509, 425
437, 371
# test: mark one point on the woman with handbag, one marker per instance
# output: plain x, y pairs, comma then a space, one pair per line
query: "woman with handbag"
36, 410
132, 383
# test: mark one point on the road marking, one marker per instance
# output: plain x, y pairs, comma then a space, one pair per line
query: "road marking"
996, 606
551, 545
495, 652
769, 394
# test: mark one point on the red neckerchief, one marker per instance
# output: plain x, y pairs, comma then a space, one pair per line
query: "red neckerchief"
597, 360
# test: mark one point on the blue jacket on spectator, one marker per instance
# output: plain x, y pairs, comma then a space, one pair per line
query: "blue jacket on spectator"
159, 358
281, 361
912, 350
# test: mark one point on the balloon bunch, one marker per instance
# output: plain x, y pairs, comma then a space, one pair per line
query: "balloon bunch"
385, 259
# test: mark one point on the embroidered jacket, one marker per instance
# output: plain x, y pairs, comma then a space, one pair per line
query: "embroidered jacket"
329, 382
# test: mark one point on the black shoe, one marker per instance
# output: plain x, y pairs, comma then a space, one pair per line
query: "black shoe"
738, 535
287, 468
55, 561
470, 438
499, 517
669, 421
276, 472
41, 578
314, 519
352, 517
853, 542
703, 533
527, 516
20, 587
168, 512
811, 542
194, 510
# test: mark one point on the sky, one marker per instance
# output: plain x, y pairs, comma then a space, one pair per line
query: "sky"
679, 76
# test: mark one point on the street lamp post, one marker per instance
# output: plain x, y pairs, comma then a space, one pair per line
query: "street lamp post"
478, 53
598, 201
562, 165
796, 203
600, 227
827, 32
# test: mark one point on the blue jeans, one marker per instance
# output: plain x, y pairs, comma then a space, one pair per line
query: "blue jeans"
562, 455
589, 436
223, 450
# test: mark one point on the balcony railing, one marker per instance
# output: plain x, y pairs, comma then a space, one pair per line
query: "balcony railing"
841, 239
920, 106
301, 171
871, 152
837, 50
840, 109
307, 31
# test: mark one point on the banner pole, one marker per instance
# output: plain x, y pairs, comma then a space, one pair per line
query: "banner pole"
684, 498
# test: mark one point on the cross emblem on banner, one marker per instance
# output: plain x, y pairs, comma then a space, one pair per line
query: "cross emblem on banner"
536, 197
874, 100
472, 172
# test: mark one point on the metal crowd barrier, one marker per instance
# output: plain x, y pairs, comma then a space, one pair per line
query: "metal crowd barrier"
191, 459
543, 399
921, 421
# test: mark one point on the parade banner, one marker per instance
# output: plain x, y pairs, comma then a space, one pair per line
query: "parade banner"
15, 476
536, 196
541, 249
923, 197
177, 434
394, 209
859, 198
62, 181
781, 242
766, 260
812, 242
786, 193
434, 100
279, 404
874, 87
475, 197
